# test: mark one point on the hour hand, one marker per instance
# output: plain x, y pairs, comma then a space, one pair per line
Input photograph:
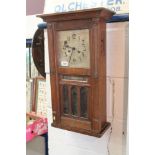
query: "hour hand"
71, 54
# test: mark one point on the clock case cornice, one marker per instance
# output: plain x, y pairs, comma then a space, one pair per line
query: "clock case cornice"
80, 14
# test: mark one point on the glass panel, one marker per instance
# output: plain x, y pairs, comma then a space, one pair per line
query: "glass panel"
34, 71
78, 78
83, 101
65, 100
74, 101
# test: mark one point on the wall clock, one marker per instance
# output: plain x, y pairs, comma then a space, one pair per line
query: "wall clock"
38, 51
77, 56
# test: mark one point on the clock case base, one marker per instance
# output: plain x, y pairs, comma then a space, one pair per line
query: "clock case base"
104, 129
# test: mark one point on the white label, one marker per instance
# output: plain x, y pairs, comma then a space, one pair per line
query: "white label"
119, 6
64, 63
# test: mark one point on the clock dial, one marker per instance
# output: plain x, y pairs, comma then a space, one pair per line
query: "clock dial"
73, 48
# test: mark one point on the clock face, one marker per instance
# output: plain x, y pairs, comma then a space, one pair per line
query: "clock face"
73, 48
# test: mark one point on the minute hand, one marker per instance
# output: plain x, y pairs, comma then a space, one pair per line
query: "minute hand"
71, 54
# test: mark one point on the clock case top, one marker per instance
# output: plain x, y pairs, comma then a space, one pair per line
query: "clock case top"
79, 14
95, 21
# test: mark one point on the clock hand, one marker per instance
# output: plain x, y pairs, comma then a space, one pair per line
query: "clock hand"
73, 48
70, 56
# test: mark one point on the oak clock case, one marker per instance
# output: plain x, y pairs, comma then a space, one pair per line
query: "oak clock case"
77, 57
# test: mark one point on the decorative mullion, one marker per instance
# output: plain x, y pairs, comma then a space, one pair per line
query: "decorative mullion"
79, 104
88, 103
61, 98
70, 104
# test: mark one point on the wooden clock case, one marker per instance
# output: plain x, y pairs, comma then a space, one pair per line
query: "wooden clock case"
95, 123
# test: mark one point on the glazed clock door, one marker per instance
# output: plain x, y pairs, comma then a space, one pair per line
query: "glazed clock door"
73, 68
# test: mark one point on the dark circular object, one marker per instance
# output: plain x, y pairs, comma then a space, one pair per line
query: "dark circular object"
38, 51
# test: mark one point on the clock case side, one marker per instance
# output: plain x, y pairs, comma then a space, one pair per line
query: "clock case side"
98, 77
53, 74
